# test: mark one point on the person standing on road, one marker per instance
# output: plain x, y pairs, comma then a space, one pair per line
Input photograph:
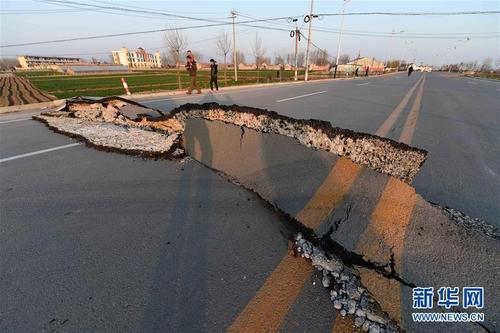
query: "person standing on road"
213, 75
192, 68
367, 70
410, 69
356, 71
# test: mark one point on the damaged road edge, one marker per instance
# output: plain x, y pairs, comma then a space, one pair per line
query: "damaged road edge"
383, 155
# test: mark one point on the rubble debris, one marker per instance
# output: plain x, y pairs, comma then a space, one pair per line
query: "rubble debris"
471, 223
346, 292
380, 154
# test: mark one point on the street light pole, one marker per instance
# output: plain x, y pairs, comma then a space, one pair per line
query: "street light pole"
306, 77
235, 62
340, 34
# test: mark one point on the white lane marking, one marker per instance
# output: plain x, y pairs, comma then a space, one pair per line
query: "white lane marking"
491, 172
362, 84
38, 152
235, 91
14, 120
470, 82
301, 96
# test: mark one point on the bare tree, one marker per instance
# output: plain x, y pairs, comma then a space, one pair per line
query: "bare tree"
301, 58
394, 63
279, 59
319, 57
164, 60
223, 48
8, 63
258, 52
240, 57
487, 65
176, 42
344, 59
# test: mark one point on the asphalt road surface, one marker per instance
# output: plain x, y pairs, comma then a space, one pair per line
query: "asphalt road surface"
458, 123
96, 241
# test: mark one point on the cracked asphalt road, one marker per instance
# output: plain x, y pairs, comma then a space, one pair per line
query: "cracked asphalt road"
103, 242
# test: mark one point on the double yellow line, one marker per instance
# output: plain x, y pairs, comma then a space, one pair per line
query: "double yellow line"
268, 308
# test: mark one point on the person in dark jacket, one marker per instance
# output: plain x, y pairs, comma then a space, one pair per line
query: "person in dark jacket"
367, 70
213, 75
192, 68
410, 69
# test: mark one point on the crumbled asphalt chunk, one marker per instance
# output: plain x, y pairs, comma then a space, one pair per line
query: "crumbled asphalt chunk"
106, 136
470, 222
380, 154
346, 292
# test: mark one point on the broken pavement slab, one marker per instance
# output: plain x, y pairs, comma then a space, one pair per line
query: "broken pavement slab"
400, 239
359, 207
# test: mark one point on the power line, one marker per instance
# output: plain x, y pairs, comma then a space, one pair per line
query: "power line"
137, 7
415, 13
405, 36
40, 11
414, 33
129, 10
146, 32
248, 23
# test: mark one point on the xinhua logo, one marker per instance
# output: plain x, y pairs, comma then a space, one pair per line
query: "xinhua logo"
448, 298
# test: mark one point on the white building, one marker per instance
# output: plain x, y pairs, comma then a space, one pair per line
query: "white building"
43, 62
137, 59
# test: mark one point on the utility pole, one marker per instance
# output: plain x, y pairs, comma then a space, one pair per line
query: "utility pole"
295, 33
310, 17
340, 38
297, 38
235, 62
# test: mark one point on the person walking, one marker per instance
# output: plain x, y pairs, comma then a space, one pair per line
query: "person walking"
213, 75
356, 71
367, 70
192, 69
410, 69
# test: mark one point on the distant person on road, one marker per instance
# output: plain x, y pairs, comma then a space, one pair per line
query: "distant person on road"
213, 75
192, 68
367, 70
410, 69
356, 71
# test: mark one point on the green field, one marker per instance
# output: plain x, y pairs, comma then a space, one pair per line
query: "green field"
64, 86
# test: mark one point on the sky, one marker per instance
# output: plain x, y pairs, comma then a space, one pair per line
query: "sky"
441, 39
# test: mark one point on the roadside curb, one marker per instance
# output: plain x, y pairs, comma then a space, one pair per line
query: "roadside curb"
24, 107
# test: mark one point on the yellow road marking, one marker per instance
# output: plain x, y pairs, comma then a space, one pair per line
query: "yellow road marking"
391, 119
331, 192
344, 325
267, 309
384, 236
411, 120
